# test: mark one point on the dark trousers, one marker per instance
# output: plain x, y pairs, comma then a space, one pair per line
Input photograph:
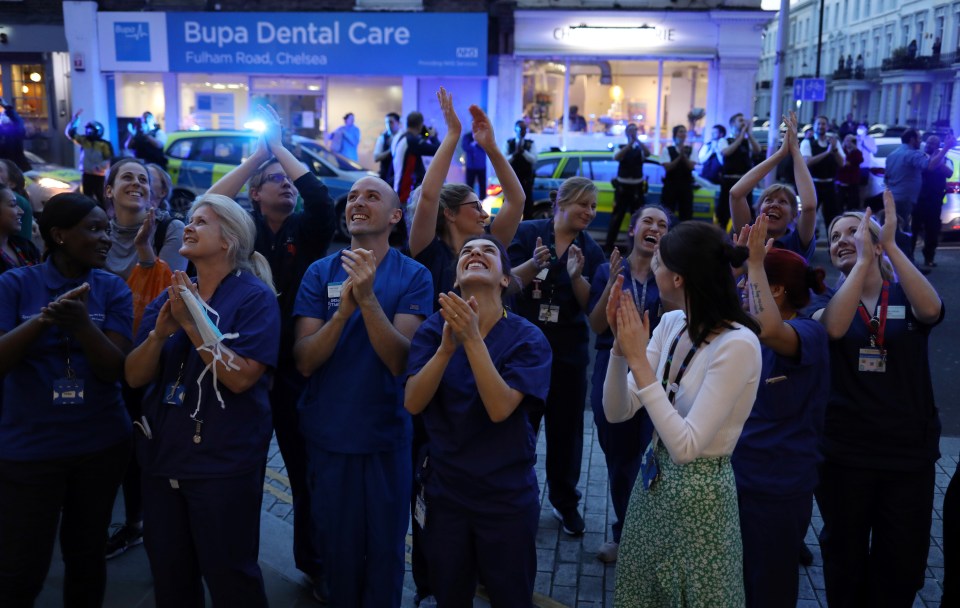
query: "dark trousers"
77, 493
361, 509
288, 385
849, 197
528, 202
678, 198
478, 176
131, 486
827, 201
876, 534
563, 416
462, 544
418, 560
722, 210
205, 530
773, 529
926, 219
627, 198
622, 443
951, 543
92, 186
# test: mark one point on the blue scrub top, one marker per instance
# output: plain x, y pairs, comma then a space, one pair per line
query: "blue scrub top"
569, 337
476, 463
235, 438
353, 404
440, 261
777, 453
791, 242
598, 283
31, 426
886, 421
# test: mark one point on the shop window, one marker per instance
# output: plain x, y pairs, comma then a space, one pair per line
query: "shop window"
30, 96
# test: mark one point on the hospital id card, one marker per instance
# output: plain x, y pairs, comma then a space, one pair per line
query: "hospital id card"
68, 391
549, 313
872, 360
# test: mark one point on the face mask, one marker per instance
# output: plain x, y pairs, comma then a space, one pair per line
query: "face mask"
212, 342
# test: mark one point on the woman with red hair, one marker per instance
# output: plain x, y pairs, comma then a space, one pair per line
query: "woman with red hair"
776, 459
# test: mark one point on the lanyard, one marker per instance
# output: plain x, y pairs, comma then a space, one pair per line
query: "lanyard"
672, 389
877, 324
642, 302
20, 260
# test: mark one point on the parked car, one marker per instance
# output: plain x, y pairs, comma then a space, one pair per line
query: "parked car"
197, 159
45, 180
873, 190
555, 166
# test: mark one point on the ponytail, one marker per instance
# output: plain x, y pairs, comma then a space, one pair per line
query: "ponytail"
260, 267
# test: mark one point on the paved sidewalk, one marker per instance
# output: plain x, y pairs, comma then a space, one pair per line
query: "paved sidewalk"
569, 575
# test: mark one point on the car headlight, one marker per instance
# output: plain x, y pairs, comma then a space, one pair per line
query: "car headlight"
53, 184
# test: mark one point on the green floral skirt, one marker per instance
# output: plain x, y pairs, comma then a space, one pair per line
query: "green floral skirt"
681, 544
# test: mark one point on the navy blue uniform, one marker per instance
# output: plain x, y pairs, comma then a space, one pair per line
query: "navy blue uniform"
775, 464
358, 437
201, 511
481, 489
301, 240
569, 339
622, 443
881, 440
58, 458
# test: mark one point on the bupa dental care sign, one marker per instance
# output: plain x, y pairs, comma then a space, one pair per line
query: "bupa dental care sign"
415, 44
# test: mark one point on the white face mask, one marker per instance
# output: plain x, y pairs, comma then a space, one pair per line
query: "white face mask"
212, 341
4, 119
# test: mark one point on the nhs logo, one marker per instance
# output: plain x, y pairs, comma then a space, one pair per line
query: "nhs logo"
132, 40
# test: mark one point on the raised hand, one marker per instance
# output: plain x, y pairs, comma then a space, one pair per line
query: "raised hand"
633, 330
145, 233
888, 232
273, 134
541, 255
482, 129
69, 311
361, 266
449, 114
615, 260
613, 303
575, 262
178, 308
463, 317
757, 241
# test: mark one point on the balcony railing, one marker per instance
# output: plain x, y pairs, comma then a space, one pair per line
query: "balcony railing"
899, 61
857, 74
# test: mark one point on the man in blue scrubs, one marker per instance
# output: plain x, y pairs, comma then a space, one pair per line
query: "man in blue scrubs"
357, 311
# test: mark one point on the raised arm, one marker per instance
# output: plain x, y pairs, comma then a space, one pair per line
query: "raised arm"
71, 129
937, 158
733, 146
232, 183
807, 223
598, 316
423, 229
505, 225
774, 332
739, 208
272, 138
923, 298
841, 308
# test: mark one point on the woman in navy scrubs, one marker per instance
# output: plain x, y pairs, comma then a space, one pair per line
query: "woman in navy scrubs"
623, 443
473, 371
776, 458
64, 433
206, 429
553, 259
882, 427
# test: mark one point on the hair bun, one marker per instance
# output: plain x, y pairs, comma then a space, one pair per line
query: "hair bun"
735, 255
553, 196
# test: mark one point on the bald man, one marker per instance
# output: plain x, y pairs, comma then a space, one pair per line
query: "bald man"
356, 313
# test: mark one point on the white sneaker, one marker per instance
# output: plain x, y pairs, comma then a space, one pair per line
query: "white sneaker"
608, 552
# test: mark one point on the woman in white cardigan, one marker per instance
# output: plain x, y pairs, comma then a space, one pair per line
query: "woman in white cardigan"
697, 377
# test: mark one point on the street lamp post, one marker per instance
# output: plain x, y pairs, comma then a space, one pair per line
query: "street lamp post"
816, 104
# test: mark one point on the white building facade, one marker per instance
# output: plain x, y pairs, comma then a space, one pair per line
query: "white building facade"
881, 79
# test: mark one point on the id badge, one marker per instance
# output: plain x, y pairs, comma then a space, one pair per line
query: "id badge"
67, 391
420, 511
549, 314
872, 360
333, 294
174, 393
649, 471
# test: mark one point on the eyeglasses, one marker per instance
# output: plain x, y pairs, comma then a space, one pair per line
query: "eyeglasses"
276, 178
476, 204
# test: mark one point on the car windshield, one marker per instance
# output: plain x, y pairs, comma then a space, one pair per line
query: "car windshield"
338, 160
884, 150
